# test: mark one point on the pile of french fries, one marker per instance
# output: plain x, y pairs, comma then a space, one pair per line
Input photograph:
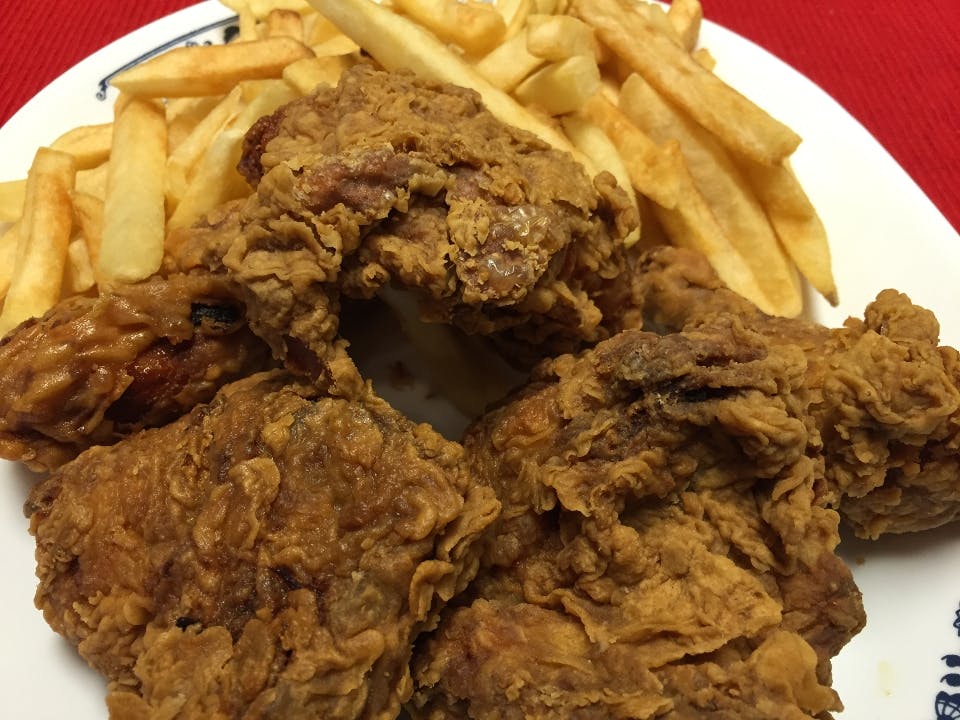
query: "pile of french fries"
621, 84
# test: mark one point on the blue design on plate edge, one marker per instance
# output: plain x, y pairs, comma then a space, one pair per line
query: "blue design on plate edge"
228, 24
946, 704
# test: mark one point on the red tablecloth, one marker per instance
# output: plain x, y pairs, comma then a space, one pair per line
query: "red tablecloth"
893, 65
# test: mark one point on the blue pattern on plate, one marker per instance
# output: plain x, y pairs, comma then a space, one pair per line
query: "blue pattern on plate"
946, 704
230, 29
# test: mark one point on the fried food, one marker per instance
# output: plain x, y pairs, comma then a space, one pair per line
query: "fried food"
886, 394
390, 179
276, 555
94, 370
665, 547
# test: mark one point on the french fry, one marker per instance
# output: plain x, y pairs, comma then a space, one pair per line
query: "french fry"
557, 37
508, 64
93, 181
11, 199
133, 211
396, 42
8, 256
658, 21
317, 29
262, 8
686, 16
654, 171
725, 189
184, 114
216, 179
43, 238
561, 87
89, 144
474, 26
704, 59
78, 274
692, 224
737, 122
335, 46
593, 142
515, 14
284, 23
796, 222
182, 160
88, 217
210, 69
304, 75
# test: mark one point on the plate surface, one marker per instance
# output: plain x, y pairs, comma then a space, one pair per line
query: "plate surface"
884, 233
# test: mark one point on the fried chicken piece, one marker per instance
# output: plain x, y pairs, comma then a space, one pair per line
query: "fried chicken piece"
391, 179
885, 394
273, 554
93, 370
665, 526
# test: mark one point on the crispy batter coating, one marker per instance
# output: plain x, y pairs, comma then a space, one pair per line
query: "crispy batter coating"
390, 179
93, 370
885, 393
664, 511
273, 554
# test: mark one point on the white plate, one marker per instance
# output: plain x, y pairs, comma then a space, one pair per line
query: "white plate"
884, 233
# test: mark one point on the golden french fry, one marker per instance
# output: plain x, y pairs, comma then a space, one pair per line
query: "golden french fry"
396, 42
796, 222
11, 199
515, 14
704, 59
216, 179
133, 211
658, 21
692, 224
332, 47
557, 37
262, 8
88, 217
304, 75
317, 29
8, 256
284, 23
593, 142
182, 160
43, 238
184, 114
474, 26
93, 181
686, 16
210, 69
725, 189
508, 64
78, 273
561, 87
736, 121
89, 144
655, 171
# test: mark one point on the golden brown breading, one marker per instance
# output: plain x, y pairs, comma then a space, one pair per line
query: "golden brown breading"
390, 179
273, 554
885, 394
664, 510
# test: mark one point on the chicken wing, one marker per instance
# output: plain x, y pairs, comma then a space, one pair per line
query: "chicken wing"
93, 370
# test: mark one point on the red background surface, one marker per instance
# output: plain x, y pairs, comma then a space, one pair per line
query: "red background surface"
893, 65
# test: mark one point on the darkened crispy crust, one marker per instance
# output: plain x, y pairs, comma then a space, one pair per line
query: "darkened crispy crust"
273, 554
94, 370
